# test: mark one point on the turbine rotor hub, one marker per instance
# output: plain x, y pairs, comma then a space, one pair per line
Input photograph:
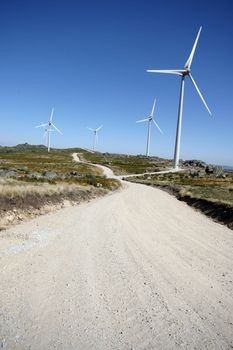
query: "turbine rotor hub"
187, 71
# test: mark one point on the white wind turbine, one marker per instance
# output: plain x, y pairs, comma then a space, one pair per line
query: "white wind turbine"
183, 73
48, 128
95, 136
150, 119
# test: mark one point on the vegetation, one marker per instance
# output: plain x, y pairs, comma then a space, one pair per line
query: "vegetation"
37, 159
32, 179
207, 187
34, 164
20, 200
127, 164
29, 175
12, 190
210, 194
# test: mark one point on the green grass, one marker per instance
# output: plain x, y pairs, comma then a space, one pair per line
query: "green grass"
29, 189
34, 159
42, 161
209, 187
127, 164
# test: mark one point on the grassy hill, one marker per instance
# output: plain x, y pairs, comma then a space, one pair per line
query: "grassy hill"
31, 179
123, 164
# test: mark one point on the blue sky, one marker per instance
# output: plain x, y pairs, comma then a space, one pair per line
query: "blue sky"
88, 60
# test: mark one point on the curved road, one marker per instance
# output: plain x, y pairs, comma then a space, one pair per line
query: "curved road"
136, 269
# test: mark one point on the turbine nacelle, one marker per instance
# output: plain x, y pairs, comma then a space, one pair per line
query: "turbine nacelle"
187, 72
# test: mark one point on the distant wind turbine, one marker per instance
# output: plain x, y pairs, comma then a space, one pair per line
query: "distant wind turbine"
95, 136
150, 119
48, 128
183, 72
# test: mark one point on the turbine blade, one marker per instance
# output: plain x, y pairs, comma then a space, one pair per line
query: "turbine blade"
199, 93
51, 116
56, 128
152, 112
167, 71
90, 129
190, 59
157, 126
142, 120
100, 127
97, 138
41, 125
45, 133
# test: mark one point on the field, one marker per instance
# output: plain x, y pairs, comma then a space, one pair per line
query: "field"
32, 179
35, 164
127, 164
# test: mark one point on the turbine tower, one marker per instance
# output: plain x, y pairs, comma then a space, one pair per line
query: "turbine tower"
150, 119
95, 136
186, 71
48, 128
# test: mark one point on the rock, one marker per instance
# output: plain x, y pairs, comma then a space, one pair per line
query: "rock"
23, 169
215, 170
3, 343
50, 175
201, 173
209, 169
35, 176
194, 173
7, 173
194, 163
73, 173
221, 176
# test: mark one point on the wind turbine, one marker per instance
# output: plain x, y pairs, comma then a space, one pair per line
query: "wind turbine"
149, 120
186, 71
95, 136
48, 128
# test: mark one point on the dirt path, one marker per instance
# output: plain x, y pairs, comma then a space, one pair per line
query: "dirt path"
106, 171
136, 269
110, 174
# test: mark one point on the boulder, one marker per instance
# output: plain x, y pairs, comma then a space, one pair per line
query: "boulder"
7, 173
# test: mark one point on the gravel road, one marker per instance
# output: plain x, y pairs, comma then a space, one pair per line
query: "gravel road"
136, 269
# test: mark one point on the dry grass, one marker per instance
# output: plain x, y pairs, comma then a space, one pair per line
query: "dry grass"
10, 188
39, 180
207, 187
21, 200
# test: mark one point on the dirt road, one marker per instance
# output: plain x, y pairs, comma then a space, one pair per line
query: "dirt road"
134, 270
106, 171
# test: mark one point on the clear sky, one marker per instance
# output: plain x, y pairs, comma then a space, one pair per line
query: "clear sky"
88, 60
